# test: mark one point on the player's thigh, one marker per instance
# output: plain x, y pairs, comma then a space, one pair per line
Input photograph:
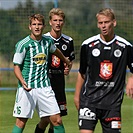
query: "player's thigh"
86, 131
24, 104
46, 102
111, 122
87, 118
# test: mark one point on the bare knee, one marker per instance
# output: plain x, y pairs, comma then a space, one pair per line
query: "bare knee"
21, 122
56, 120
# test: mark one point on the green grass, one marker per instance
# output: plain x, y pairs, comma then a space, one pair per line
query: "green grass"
7, 121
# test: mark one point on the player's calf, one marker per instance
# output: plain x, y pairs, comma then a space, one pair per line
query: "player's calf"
39, 130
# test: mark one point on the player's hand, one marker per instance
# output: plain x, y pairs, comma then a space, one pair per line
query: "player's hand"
129, 87
24, 84
67, 68
68, 61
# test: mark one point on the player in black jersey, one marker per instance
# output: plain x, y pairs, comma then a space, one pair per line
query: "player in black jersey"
57, 69
101, 77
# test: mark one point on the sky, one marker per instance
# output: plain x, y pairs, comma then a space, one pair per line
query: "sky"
8, 4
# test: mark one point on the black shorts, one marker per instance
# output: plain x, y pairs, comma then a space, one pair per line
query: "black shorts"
58, 86
110, 119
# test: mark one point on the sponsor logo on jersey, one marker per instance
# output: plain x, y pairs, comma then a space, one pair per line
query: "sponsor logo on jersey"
95, 52
65, 40
86, 113
56, 43
106, 70
93, 44
39, 59
117, 53
121, 44
64, 47
107, 48
105, 84
55, 61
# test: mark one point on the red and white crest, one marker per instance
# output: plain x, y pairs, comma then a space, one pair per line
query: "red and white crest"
106, 70
55, 61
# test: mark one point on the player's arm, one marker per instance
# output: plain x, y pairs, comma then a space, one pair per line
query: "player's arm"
129, 87
19, 76
79, 84
59, 54
71, 57
81, 75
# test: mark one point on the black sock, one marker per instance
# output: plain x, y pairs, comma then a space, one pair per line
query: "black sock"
50, 130
39, 130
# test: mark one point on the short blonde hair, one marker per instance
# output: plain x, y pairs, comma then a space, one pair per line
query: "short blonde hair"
56, 11
106, 12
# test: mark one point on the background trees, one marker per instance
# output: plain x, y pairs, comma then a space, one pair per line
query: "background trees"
80, 21
80, 24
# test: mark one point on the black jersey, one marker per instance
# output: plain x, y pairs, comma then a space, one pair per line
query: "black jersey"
104, 64
65, 45
56, 69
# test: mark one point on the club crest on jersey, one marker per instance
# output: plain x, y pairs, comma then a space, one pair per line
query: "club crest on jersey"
55, 61
39, 59
117, 53
106, 70
95, 52
64, 47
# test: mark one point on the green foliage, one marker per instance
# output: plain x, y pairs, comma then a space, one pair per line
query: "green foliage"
80, 20
9, 30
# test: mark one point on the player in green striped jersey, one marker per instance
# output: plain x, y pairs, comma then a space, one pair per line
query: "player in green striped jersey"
34, 88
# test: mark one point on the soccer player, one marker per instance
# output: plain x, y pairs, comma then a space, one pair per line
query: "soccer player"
57, 69
101, 77
34, 88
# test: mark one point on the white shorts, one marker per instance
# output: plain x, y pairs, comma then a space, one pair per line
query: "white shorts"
43, 99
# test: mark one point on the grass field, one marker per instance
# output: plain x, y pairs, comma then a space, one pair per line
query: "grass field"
7, 121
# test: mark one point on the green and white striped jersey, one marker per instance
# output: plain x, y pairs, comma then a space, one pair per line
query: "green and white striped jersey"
32, 57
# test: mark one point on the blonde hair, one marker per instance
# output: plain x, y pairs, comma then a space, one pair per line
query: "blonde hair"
38, 17
106, 12
56, 11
